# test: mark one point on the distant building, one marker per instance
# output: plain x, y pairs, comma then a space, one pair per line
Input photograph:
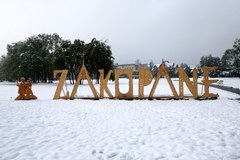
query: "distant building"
134, 68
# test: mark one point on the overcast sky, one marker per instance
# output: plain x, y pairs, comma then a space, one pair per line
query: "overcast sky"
176, 30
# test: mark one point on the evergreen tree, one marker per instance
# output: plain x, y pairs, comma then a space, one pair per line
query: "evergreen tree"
38, 56
98, 55
32, 57
187, 69
231, 59
210, 61
152, 68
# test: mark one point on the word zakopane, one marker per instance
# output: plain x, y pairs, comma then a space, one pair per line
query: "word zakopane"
145, 78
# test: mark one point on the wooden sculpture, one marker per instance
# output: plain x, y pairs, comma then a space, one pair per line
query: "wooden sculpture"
25, 90
60, 89
103, 83
192, 86
145, 78
129, 94
83, 75
163, 72
207, 83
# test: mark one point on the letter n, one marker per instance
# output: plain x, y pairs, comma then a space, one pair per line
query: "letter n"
192, 86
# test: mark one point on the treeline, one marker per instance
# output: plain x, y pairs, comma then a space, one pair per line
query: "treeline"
38, 56
172, 69
228, 64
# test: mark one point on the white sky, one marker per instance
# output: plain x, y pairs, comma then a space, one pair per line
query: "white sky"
176, 30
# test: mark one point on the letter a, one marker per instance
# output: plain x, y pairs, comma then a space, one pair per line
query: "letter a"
163, 72
83, 75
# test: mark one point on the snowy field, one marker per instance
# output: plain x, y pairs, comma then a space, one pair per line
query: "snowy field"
47, 129
230, 82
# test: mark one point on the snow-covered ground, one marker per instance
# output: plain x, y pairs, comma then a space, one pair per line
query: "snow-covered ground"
230, 82
47, 129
